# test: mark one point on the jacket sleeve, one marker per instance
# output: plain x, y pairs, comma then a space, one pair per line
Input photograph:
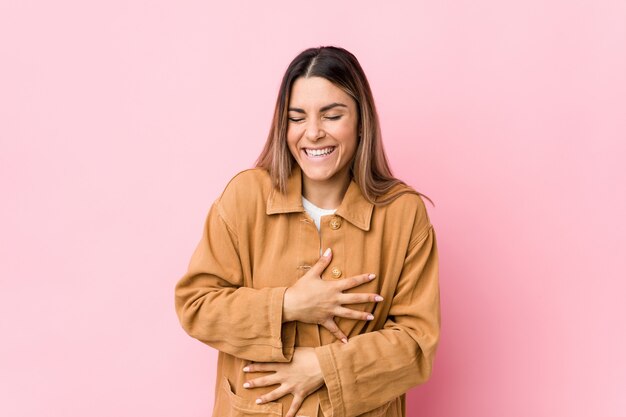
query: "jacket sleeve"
376, 367
215, 307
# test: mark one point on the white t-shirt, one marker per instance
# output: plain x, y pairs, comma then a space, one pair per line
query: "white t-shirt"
315, 212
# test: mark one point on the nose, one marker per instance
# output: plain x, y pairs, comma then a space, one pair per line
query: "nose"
314, 131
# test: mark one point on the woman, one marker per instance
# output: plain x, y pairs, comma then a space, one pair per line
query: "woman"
316, 276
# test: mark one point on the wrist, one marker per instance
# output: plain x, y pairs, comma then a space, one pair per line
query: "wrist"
287, 306
316, 369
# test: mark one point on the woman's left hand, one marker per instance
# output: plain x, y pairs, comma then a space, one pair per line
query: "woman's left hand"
300, 377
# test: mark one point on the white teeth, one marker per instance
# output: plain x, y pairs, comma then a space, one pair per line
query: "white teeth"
319, 152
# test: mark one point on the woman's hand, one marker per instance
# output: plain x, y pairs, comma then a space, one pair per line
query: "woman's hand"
313, 300
300, 377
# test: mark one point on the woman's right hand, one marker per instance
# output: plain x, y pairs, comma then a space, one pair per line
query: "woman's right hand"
313, 300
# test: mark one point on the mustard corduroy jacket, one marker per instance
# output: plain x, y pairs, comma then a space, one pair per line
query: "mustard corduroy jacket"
257, 242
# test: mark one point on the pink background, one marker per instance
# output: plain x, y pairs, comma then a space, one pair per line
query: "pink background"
121, 121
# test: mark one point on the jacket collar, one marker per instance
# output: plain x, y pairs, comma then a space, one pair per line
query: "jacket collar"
354, 207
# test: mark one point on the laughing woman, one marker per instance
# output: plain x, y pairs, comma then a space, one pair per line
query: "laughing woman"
316, 277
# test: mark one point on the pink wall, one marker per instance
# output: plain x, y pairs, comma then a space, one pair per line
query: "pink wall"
121, 121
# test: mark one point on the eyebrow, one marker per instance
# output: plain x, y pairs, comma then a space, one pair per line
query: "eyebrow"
323, 109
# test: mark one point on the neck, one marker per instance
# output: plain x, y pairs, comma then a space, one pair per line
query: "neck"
326, 194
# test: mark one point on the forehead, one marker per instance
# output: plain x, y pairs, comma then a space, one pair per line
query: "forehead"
316, 92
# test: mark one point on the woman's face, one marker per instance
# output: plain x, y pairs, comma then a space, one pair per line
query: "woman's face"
322, 129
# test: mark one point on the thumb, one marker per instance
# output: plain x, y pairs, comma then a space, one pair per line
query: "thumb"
322, 262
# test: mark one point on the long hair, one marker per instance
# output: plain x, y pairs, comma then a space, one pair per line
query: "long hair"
369, 167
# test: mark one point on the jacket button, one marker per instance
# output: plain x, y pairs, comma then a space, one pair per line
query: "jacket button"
336, 272
335, 223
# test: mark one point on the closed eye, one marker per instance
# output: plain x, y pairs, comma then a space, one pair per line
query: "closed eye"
299, 119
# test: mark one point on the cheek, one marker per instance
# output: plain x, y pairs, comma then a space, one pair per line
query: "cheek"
293, 134
352, 150
347, 131
291, 143
348, 134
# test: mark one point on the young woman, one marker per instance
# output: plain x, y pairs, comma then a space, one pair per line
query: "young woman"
316, 276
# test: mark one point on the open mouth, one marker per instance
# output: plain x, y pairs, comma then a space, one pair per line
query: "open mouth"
319, 153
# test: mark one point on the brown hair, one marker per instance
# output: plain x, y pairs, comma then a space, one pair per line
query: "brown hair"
370, 167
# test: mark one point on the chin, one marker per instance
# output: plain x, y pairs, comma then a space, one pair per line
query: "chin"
316, 176
320, 175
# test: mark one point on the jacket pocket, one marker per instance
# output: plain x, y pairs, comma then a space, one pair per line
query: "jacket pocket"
230, 404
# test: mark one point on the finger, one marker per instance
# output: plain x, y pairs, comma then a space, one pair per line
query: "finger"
353, 314
322, 262
332, 327
273, 395
260, 367
355, 281
356, 298
295, 406
262, 381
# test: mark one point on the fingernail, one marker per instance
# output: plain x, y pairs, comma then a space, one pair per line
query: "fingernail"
327, 253
258, 401
370, 317
246, 385
344, 340
246, 369
378, 298
371, 276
